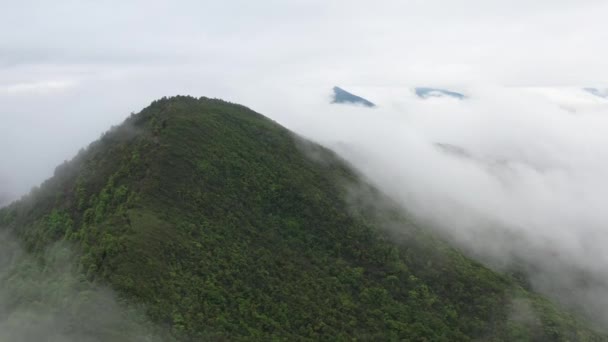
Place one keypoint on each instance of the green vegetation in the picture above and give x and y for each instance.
(42, 298)
(217, 221)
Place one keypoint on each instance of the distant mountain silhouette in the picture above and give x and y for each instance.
(343, 97)
(425, 92)
(597, 92)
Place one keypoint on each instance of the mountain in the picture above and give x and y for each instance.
(222, 225)
(343, 97)
(453, 150)
(597, 92)
(425, 93)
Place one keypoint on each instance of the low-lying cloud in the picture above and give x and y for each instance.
(97, 62)
(509, 175)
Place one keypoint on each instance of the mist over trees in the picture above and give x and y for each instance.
(45, 297)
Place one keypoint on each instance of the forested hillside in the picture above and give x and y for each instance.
(221, 224)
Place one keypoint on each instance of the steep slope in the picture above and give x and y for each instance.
(225, 225)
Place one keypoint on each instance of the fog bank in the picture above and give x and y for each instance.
(515, 176)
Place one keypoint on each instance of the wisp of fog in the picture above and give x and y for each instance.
(45, 298)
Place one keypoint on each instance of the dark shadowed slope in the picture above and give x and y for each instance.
(341, 96)
(216, 219)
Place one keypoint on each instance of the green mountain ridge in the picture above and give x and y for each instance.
(224, 225)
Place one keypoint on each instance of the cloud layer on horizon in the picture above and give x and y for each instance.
(70, 69)
(521, 185)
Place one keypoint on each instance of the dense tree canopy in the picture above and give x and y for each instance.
(223, 224)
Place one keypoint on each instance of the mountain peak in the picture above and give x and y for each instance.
(426, 92)
(597, 92)
(344, 97)
(217, 221)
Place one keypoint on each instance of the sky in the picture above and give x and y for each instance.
(70, 69)
(535, 143)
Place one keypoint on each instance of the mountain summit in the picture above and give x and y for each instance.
(603, 93)
(343, 97)
(425, 93)
(223, 225)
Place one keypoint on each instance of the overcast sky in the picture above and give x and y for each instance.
(70, 69)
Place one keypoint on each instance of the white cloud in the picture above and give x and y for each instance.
(530, 186)
(42, 87)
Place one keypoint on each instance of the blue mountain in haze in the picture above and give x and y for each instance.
(341, 96)
(597, 92)
(425, 93)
